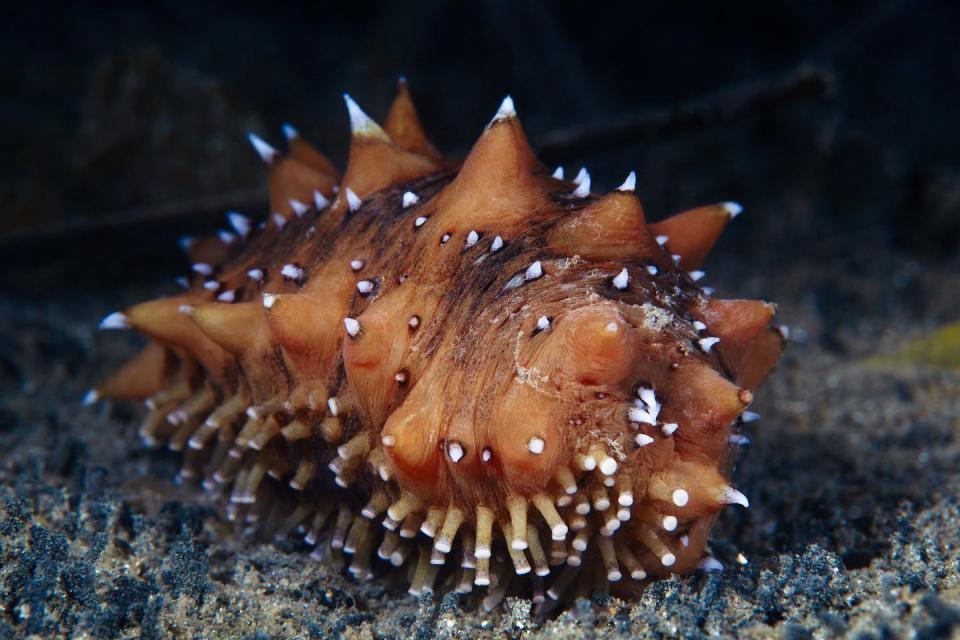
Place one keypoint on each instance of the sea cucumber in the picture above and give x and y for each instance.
(479, 371)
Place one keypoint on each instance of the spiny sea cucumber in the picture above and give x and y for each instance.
(481, 372)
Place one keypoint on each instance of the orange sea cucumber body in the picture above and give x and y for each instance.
(481, 371)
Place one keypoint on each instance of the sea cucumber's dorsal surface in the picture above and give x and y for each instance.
(483, 372)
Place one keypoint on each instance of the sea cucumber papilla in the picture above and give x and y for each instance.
(479, 372)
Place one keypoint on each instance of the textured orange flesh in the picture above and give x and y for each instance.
(475, 368)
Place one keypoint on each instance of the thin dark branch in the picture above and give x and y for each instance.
(730, 104)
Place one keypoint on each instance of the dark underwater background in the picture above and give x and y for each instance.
(835, 124)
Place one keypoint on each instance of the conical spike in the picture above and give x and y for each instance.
(583, 184)
(729, 495)
(375, 160)
(164, 321)
(142, 376)
(506, 111)
(241, 223)
(714, 400)
(235, 327)
(308, 327)
(115, 320)
(630, 184)
(497, 184)
(612, 228)
(362, 125)
(692, 234)
(264, 149)
(736, 323)
(404, 127)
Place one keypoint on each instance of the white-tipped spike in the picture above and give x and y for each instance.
(652, 270)
(183, 281)
(669, 428)
(202, 268)
(268, 300)
(505, 111)
(707, 343)
(360, 123)
(583, 184)
(352, 325)
(472, 238)
(496, 245)
(557, 173)
(266, 152)
(227, 296)
(699, 326)
(290, 132)
(255, 274)
(292, 271)
(680, 497)
(648, 396)
(226, 237)
(239, 222)
(90, 397)
(643, 439)
(708, 291)
(670, 523)
(733, 208)
(186, 242)
(668, 559)
(543, 323)
(419, 222)
(298, 207)
(749, 416)
(534, 271)
(353, 200)
(662, 240)
(455, 451)
(320, 201)
(697, 275)
(187, 310)
(279, 220)
(116, 320)
(621, 280)
(536, 445)
(333, 407)
(410, 199)
(630, 184)
(211, 285)
(676, 257)
(732, 496)
(642, 415)
(739, 440)
(710, 564)
(364, 287)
